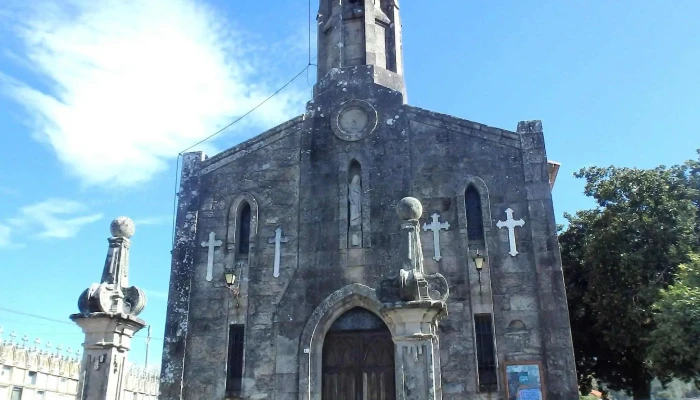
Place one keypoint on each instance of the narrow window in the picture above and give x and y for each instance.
(32, 378)
(6, 374)
(244, 229)
(16, 394)
(234, 374)
(475, 225)
(485, 353)
(389, 36)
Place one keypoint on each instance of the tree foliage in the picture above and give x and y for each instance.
(618, 257)
(675, 342)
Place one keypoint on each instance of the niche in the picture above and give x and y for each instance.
(354, 209)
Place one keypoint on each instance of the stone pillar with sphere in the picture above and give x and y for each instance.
(415, 302)
(109, 319)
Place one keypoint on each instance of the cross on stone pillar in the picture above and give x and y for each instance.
(25, 339)
(436, 226)
(278, 240)
(13, 335)
(37, 342)
(510, 224)
(212, 244)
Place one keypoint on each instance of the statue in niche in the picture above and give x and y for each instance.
(355, 201)
(355, 211)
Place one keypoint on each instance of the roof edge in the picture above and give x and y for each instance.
(259, 139)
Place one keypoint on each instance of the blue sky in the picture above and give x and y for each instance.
(96, 102)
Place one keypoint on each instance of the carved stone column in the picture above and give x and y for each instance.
(415, 302)
(417, 349)
(108, 318)
(107, 343)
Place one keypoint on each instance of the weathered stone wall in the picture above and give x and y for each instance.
(297, 176)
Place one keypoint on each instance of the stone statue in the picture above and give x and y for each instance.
(355, 200)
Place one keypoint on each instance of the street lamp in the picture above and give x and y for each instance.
(478, 261)
(479, 264)
(230, 279)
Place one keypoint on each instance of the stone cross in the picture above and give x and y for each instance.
(278, 240)
(510, 224)
(436, 226)
(212, 244)
(13, 335)
(25, 339)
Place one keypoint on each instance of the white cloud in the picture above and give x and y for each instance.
(5, 232)
(131, 83)
(153, 221)
(54, 218)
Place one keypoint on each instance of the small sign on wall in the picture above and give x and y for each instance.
(524, 380)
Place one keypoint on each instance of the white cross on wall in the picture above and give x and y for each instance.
(212, 244)
(278, 240)
(436, 226)
(510, 223)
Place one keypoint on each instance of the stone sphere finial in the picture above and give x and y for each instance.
(122, 227)
(409, 208)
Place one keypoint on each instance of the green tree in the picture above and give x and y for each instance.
(617, 258)
(674, 350)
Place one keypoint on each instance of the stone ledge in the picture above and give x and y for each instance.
(462, 123)
(264, 139)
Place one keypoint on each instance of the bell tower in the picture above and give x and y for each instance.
(358, 33)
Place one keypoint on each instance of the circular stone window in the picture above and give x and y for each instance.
(354, 120)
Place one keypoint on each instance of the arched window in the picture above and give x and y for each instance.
(475, 225)
(244, 229)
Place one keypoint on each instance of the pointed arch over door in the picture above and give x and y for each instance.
(319, 326)
(358, 358)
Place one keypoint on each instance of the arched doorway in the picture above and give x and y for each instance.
(358, 358)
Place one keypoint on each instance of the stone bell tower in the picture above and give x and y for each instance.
(361, 33)
(108, 318)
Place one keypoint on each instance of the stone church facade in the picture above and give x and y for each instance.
(335, 295)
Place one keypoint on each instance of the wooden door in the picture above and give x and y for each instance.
(358, 366)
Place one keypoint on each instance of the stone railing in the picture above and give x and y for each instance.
(34, 371)
(58, 370)
(35, 358)
(142, 381)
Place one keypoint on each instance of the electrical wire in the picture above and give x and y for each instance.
(35, 316)
(249, 112)
(180, 154)
(177, 176)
